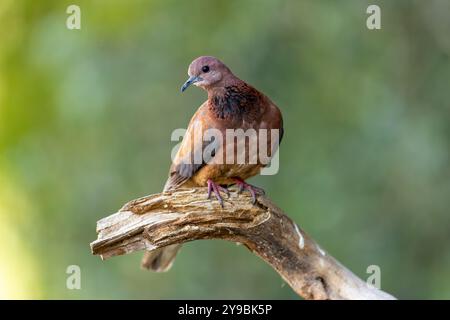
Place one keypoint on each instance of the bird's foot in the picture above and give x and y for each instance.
(242, 185)
(216, 188)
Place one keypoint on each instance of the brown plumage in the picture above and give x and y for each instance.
(231, 104)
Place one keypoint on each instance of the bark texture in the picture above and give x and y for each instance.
(185, 215)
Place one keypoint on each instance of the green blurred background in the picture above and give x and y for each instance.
(86, 117)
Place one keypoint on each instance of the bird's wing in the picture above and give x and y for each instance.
(189, 157)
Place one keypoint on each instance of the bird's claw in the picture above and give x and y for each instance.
(251, 188)
(217, 189)
(214, 187)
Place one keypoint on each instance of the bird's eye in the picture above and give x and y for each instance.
(205, 69)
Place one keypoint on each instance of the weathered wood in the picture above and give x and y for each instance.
(185, 215)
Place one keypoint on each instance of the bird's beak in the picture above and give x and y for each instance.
(191, 80)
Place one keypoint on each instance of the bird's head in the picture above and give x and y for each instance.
(206, 72)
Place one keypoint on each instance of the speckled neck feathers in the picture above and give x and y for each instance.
(235, 101)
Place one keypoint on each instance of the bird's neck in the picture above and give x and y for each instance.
(234, 100)
(220, 89)
(216, 92)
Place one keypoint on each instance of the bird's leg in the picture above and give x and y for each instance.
(224, 189)
(216, 188)
(246, 186)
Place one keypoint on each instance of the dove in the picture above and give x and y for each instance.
(232, 105)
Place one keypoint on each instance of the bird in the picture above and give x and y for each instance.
(231, 104)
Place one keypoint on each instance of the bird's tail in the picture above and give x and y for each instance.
(161, 259)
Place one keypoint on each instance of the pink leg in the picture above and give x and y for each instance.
(245, 186)
(214, 187)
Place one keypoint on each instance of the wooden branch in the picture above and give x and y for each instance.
(185, 215)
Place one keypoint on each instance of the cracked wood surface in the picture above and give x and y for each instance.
(185, 215)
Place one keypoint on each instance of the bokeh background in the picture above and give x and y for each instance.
(86, 117)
